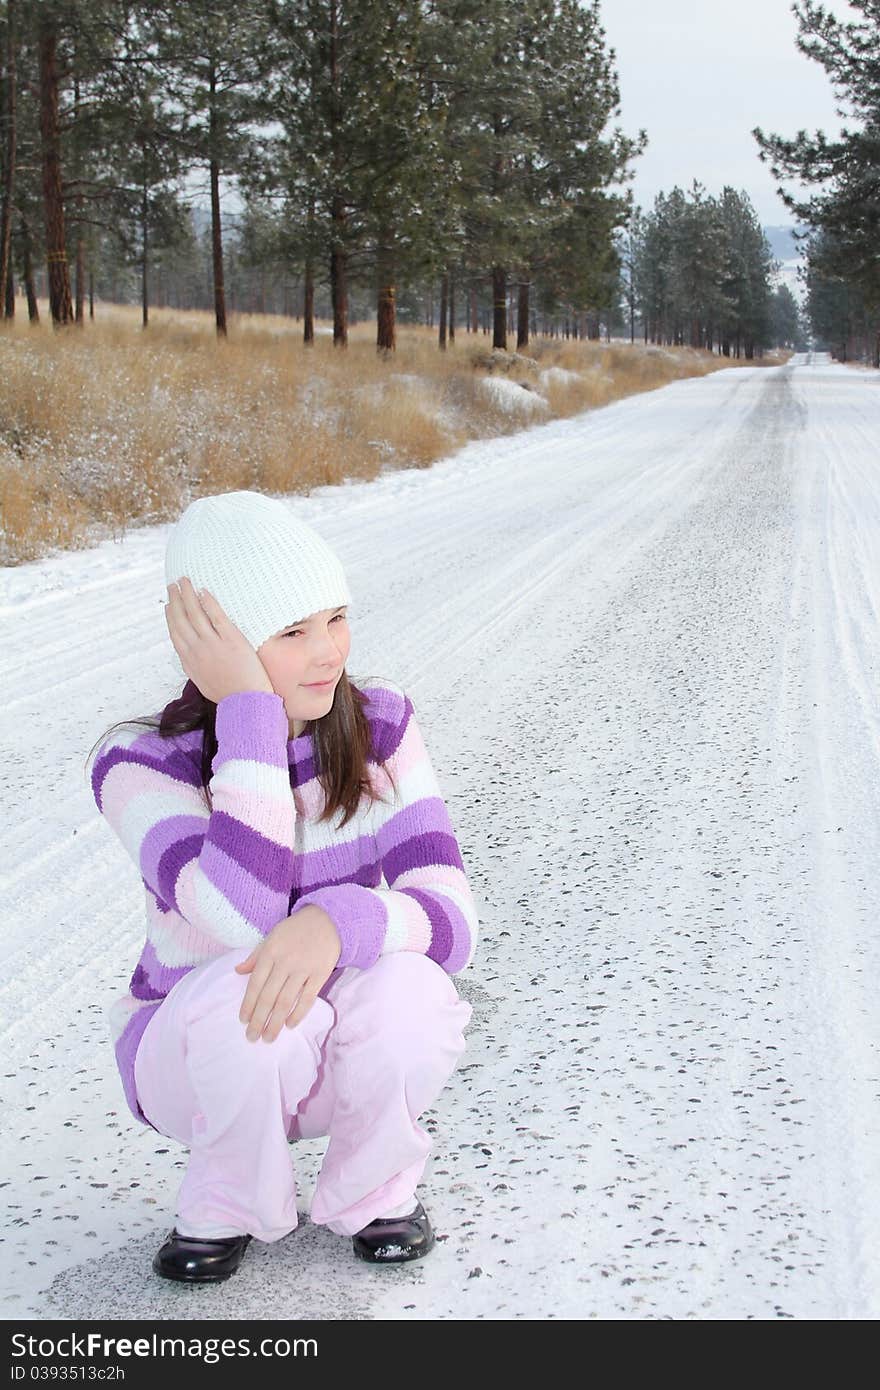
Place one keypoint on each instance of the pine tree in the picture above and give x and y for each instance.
(357, 167)
(134, 136)
(702, 272)
(846, 170)
(212, 56)
(27, 209)
(745, 286)
(72, 58)
(578, 160)
(532, 89)
(630, 244)
(842, 319)
(48, 23)
(786, 328)
(9, 39)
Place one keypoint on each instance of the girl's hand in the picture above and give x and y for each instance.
(287, 969)
(212, 651)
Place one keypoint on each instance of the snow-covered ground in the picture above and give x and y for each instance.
(643, 645)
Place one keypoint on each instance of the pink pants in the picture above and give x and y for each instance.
(360, 1067)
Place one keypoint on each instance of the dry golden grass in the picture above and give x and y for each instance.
(107, 426)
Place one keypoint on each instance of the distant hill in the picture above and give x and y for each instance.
(782, 242)
(787, 252)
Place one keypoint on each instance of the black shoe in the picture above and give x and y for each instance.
(198, 1260)
(392, 1239)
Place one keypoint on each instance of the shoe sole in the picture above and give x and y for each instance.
(194, 1278)
(374, 1258)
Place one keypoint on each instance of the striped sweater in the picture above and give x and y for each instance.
(223, 878)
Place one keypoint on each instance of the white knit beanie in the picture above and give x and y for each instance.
(265, 567)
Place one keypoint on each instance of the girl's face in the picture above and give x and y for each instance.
(304, 663)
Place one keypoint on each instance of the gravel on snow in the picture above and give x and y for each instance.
(643, 646)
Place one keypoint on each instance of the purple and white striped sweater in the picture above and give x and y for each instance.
(223, 878)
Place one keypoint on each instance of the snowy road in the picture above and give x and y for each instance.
(643, 645)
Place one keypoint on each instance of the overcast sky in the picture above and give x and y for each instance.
(699, 75)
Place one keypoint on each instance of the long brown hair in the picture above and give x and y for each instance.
(341, 743)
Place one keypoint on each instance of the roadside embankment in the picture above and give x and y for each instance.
(107, 426)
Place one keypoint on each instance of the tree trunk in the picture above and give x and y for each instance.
(79, 257)
(452, 306)
(339, 281)
(9, 295)
(80, 277)
(145, 233)
(522, 315)
(216, 231)
(386, 316)
(9, 168)
(444, 302)
(28, 272)
(217, 252)
(474, 323)
(91, 293)
(499, 307)
(338, 259)
(58, 273)
(309, 303)
(309, 278)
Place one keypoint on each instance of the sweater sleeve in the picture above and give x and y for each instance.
(227, 871)
(428, 905)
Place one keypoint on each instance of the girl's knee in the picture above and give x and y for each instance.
(413, 978)
(404, 1004)
(215, 1014)
(429, 993)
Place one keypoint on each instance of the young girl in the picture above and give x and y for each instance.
(282, 992)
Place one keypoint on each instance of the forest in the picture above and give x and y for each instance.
(443, 162)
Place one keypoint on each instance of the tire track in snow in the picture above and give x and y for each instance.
(829, 722)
